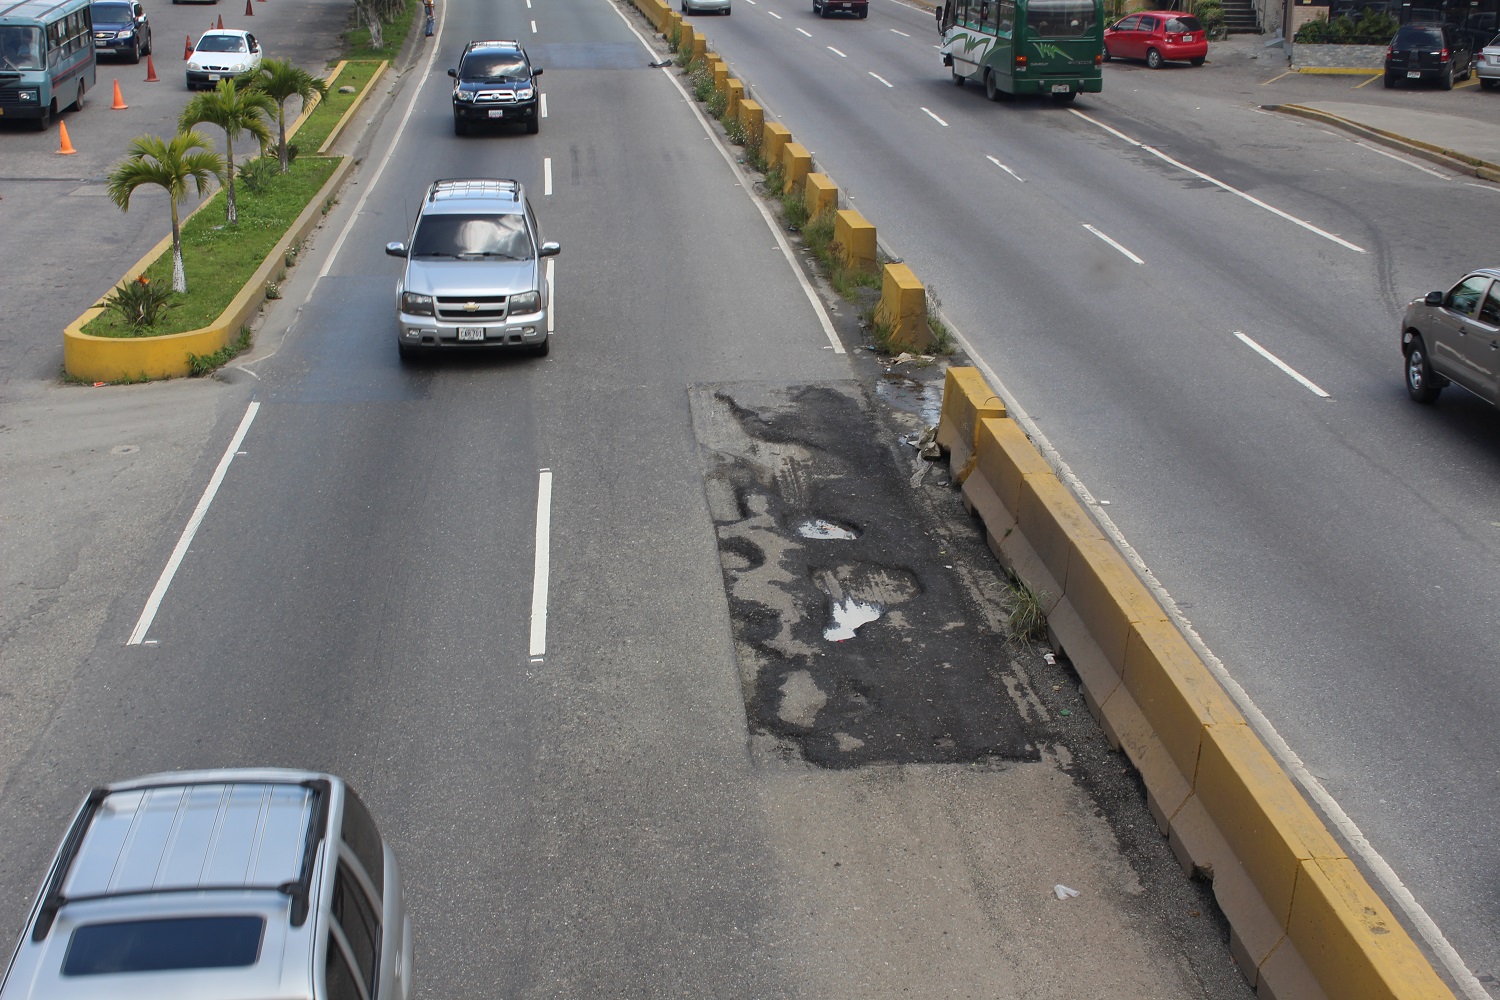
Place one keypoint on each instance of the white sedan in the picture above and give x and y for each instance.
(222, 54)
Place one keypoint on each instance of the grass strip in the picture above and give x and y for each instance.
(220, 259)
(394, 32)
(312, 133)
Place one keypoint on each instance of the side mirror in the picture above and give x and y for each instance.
(395, 249)
(1434, 298)
(453, 73)
(549, 249)
(536, 71)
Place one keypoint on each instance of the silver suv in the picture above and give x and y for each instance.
(474, 276)
(218, 885)
(1454, 336)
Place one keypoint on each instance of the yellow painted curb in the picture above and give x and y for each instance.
(1338, 71)
(359, 99)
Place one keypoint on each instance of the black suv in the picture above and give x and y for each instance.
(1429, 52)
(495, 84)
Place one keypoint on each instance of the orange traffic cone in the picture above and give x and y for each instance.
(119, 104)
(151, 71)
(249, 10)
(220, 25)
(187, 52)
(66, 149)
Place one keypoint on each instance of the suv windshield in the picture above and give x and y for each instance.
(494, 67)
(468, 236)
(112, 13)
(1060, 18)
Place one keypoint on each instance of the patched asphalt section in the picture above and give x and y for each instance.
(857, 642)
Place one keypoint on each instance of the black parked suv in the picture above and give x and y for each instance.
(1431, 52)
(495, 84)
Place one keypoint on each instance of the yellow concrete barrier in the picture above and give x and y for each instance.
(903, 308)
(686, 35)
(752, 121)
(820, 195)
(109, 359)
(796, 164)
(734, 92)
(774, 139)
(855, 235)
(967, 399)
(721, 74)
(699, 49)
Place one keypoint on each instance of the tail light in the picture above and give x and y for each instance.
(1098, 58)
(1443, 56)
(1020, 62)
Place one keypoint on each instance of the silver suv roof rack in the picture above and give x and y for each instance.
(487, 186)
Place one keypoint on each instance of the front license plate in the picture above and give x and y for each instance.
(1414, 74)
(213, 77)
(1061, 88)
(471, 333)
(497, 113)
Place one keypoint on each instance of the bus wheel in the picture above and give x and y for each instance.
(1064, 98)
(958, 80)
(77, 104)
(990, 89)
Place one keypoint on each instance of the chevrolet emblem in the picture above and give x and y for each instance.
(471, 307)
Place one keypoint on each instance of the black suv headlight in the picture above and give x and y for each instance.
(459, 94)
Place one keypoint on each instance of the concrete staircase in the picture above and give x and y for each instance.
(1240, 17)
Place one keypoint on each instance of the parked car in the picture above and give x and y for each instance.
(1487, 66)
(1454, 336)
(1428, 53)
(234, 885)
(223, 54)
(495, 84)
(698, 6)
(474, 276)
(121, 28)
(1157, 36)
(826, 8)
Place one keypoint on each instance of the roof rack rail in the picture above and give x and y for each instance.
(498, 185)
(52, 897)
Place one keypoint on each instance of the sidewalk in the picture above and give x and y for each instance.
(1461, 143)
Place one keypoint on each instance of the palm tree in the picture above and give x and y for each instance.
(280, 79)
(170, 164)
(234, 109)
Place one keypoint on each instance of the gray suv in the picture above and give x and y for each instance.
(474, 274)
(218, 885)
(1454, 336)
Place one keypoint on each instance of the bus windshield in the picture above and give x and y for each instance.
(20, 47)
(1060, 18)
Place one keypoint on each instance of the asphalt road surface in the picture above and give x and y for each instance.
(620, 783)
(1130, 267)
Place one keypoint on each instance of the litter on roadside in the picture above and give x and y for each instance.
(1063, 892)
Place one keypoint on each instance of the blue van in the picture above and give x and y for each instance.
(46, 58)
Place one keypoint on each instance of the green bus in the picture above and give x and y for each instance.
(1053, 47)
(46, 58)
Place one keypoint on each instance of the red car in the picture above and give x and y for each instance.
(1157, 36)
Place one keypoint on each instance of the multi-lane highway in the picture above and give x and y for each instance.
(1128, 268)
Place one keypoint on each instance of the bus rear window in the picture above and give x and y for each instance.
(160, 945)
(1060, 18)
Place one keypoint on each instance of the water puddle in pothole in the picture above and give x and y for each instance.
(825, 530)
(849, 615)
(925, 399)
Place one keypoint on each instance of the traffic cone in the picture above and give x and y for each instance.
(119, 104)
(187, 52)
(220, 25)
(151, 71)
(249, 10)
(67, 144)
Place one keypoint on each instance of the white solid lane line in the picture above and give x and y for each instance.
(533, 27)
(1006, 169)
(881, 79)
(546, 175)
(543, 563)
(551, 295)
(1220, 184)
(936, 118)
(148, 614)
(544, 105)
(837, 52)
(1306, 384)
(1112, 243)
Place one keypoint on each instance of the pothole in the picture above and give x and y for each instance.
(910, 395)
(849, 615)
(825, 530)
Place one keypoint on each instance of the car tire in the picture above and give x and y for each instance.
(1390, 81)
(1107, 56)
(1064, 98)
(460, 127)
(1447, 79)
(1197, 60)
(543, 349)
(406, 354)
(135, 52)
(864, 13)
(150, 44)
(1487, 84)
(726, 11)
(1154, 59)
(1421, 381)
(534, 126)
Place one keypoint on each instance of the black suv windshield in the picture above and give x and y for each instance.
(493, 67)
(472, 236)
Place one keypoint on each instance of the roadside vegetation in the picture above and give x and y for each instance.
(1370, 27)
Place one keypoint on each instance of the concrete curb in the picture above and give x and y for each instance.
(1304, 923)
(1450, 158)
(109, 359)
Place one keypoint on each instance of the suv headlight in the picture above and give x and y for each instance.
(525, 302)
(126, 33)
(525, 93)
(416, 305)
(459, 94)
